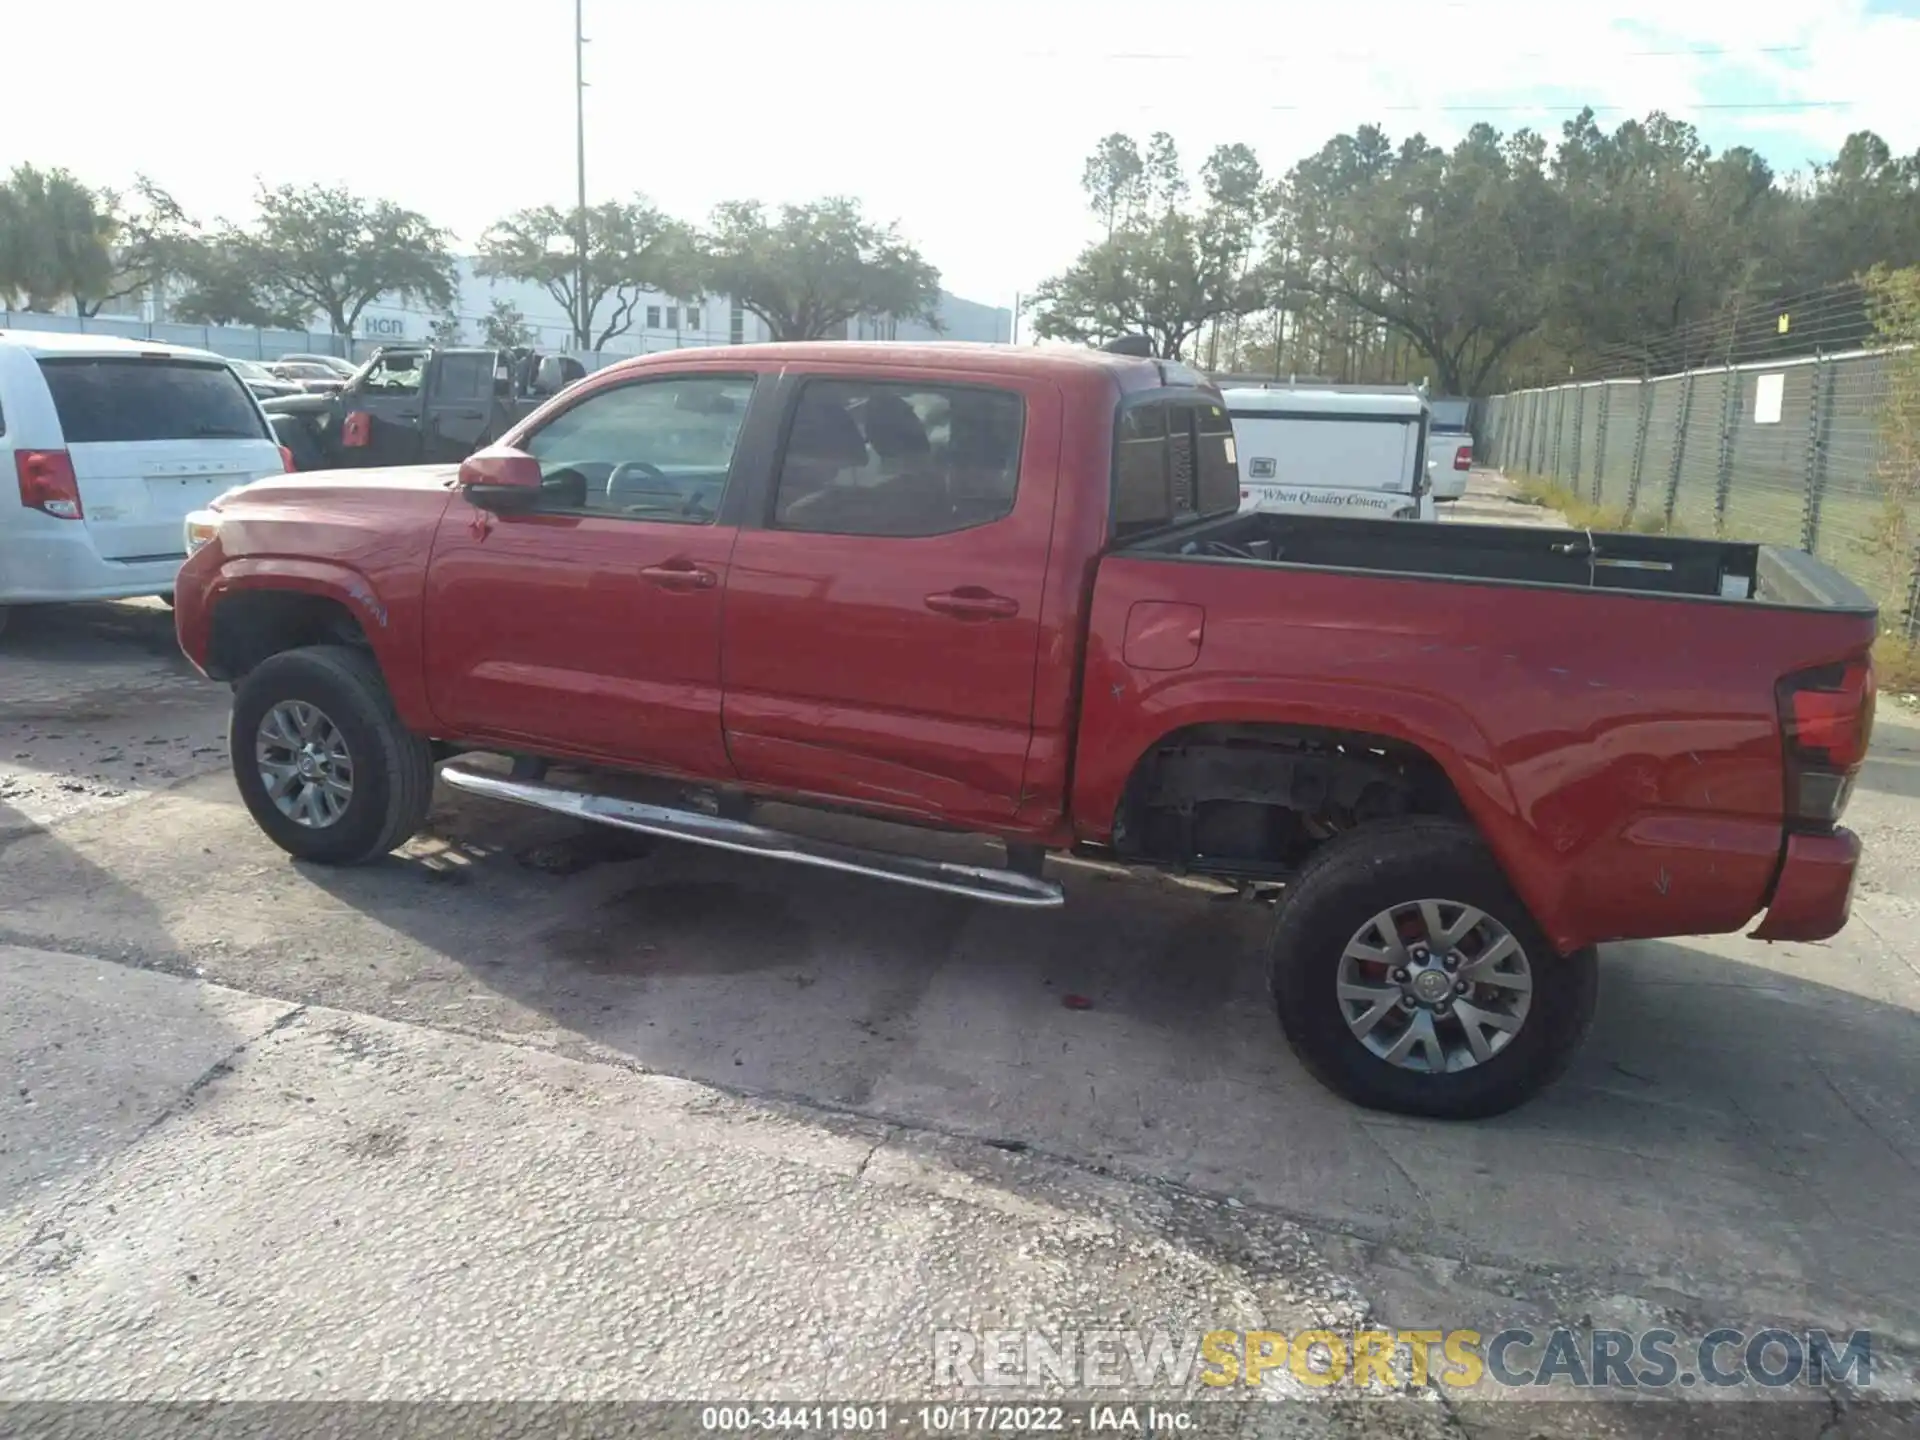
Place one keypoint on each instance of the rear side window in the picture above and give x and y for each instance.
(114, 401)
(465, 376)
(1174, 461)
(897, 459)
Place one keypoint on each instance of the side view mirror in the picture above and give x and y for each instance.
(501, 479)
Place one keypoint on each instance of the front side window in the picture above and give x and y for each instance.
(108, 401)
(867, 458)
(395, 372)
(656, 450)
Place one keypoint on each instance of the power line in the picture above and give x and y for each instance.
(1776, 106)
(1372, 58)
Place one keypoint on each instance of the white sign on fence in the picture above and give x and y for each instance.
(1769, 391)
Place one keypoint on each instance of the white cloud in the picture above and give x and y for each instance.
(966, 119)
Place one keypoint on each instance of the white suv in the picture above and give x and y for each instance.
(110, 443)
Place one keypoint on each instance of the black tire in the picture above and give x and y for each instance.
(1364, 872)
(392, 767)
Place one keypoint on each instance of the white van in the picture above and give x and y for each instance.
(1332, 450)
(105, 445)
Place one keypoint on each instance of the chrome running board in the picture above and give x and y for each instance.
(977, 882)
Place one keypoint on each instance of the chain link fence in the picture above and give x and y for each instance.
(1791, 452)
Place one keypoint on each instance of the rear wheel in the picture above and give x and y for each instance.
(321, 759)
(1410, 978)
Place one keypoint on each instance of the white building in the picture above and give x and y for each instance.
(655, 321)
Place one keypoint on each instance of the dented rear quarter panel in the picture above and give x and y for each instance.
(363, 538)
(1620, 753)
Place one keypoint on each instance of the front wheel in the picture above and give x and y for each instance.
(1410, 978)
(323, 762)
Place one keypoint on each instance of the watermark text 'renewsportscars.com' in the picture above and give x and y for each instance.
(1222, 1360)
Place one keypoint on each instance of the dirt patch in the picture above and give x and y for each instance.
(685, 927)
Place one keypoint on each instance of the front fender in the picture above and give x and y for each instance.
(389, 624)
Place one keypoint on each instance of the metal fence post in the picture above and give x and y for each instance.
(1640, 445)
(1559, 431)
(1600, 441)
(1579, 426)
(1910, 631)
(1679, 448)
(1723, 477)
(1537, 436)
(1819, 411)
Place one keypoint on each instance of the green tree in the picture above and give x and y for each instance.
(1661, 236)
(632, 247)
(1112, 179)
(447, 329)
(221, 283)
(1165, 279)
(1452, 249)
(504, 327)
(333, 252)
(1163, 271)
(150, 238)
(810, 269)
(1165, 181)
(56, 239)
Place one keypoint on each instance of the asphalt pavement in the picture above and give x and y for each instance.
(511, 1115)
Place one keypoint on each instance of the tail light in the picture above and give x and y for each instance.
(286, 460)
(1463, 458)
(1826, 720)
(47, 482)
(356, 430)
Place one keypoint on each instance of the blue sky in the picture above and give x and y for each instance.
(965, 120)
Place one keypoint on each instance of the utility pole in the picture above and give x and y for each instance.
(584, 325)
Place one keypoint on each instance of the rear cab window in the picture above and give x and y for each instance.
(104, 400)
(1174, 463)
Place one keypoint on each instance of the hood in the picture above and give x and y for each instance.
(320, 486)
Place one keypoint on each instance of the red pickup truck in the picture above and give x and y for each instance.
(1009, 592)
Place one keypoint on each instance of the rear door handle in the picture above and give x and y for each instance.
(680, 575)
(971, 602)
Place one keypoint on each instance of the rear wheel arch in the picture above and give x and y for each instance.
(1332, 779)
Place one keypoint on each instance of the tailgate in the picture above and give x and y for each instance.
(151, 437)
(134, 495)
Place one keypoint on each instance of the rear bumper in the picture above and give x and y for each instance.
(38, 567)
(1814, 894)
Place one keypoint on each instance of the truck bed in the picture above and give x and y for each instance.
(1665, 565)
(1603, 706)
